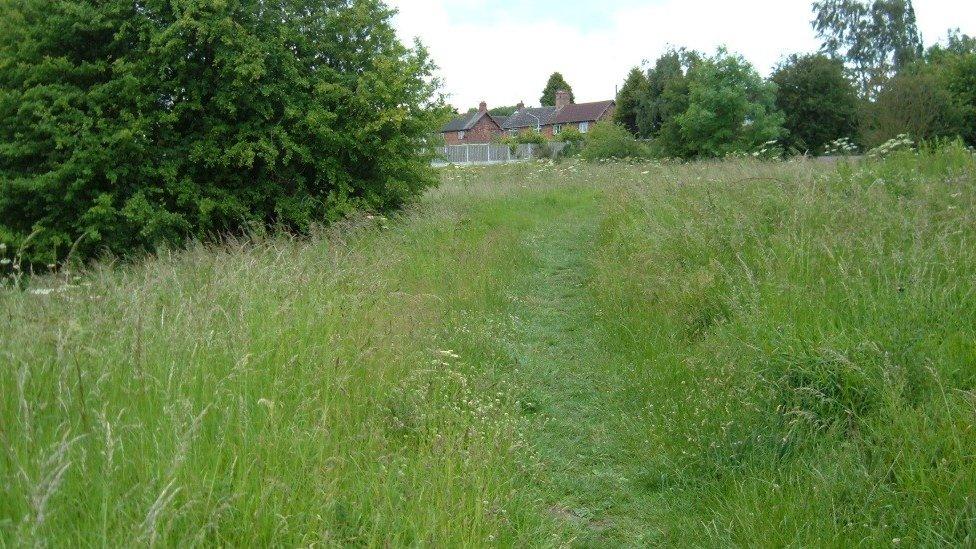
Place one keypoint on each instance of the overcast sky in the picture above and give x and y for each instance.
(503, 51)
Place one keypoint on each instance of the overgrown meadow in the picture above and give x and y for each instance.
(717, 353)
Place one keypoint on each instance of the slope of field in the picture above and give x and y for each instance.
(534, 355)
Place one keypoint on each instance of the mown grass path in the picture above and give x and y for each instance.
(581, 432)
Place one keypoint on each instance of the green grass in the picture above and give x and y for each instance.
(712, 354)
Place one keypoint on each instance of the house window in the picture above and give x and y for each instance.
(556, 129)
(461, 136)
(513, 133)
(584, 127)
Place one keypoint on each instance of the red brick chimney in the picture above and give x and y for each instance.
(483, 107)
(562, 99)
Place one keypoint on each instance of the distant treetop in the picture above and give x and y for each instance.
(556, 83)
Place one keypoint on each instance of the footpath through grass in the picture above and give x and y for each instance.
(715, 354)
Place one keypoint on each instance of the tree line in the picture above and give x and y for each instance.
(871, 82)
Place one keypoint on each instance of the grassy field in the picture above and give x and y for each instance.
(710, 354)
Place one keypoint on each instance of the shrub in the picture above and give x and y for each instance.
(571, 135)
(917, 103)
(573, 140)
(956, 64)
(531, 137)
(125, 125)
(730, 108)
(611, 140)
(818, 101)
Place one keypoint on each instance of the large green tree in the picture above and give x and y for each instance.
(556, 83)
(126, 124)
(629, 98)
(730, 108)
(819, 102)
(876, 38)
(667, 98)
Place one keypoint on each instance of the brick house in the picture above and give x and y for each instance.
(475, 128)
(550, 121)
(481, 127)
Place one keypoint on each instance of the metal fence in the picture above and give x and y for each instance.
(495, 154)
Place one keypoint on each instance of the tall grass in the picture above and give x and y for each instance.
(276, 392)
(766, 353)
(805, 347)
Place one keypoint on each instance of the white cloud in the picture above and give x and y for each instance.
(505, 59)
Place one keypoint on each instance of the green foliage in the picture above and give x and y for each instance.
(556, 83)
(503, 111)
(571, 135)
(667, 98)
(634, 90)
(955, 63)
(667, 94)
(876, 38)
(918, 103)
(125, 126)
(574, 140)
(532, 137)
(525, 137)
(497, 111)
(730, 109)
(819, 103)
(956, 43)
(609, 140)
(693, 106)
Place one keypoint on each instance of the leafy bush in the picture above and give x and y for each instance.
(730, 108)
(573, 139)
(531, 137)
(125, 125)
(918, 103)
(611, 140)
(818, 101)
(571, 135)
(956, 64)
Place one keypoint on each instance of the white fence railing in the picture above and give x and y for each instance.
(492, 153)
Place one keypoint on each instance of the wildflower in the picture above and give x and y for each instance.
(4, 262)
